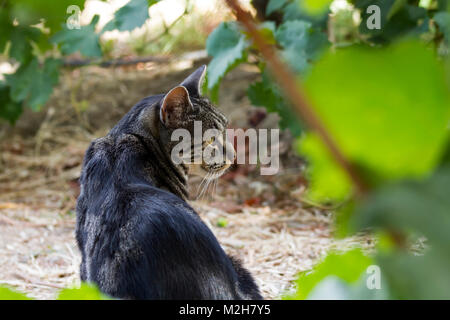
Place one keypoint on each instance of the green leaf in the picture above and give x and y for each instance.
(130, 16)
(416, 277)
(384, 111)
(8, 294)
(334, 288)
(301, 43)
(445, 161)
(267, 29)
(54, 13)
(443, 21)
(34, 83)
(9, 110)
(228, 47)
(348, 267)
(266, 94)
(85, 292)
(420, 206)
(274, 5)
(397, 19)
(316, 6)
(21, 38)
(6, 28)
(296, 10)
(85, 40)
(396, 6)
(327, 179)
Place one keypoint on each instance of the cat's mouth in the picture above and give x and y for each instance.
(217, 169)
(210, 171)
(213, 169)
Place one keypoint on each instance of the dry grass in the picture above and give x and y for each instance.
(38, 253)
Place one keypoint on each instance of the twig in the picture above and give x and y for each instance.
(73, 63)
(294, 91)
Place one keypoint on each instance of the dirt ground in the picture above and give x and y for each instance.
(263, 220)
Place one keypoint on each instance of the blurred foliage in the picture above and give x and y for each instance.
(84, 40)
(8, 294)
(36, 36)
(131, 16)
(394, 123)
(383, 95)
(266, 93)
(308, 28)
(84, 292)
(347, 266)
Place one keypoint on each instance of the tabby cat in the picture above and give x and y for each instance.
(138, 237)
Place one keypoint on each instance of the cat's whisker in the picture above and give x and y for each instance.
(213, 180)
(199, 188)
(205, 195)
(204, 185)
(215, 186)
(202, 188)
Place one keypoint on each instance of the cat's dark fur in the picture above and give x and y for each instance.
(138, 237)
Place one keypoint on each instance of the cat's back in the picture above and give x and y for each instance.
(151, 233)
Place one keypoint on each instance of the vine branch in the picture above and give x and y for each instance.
(293, 89)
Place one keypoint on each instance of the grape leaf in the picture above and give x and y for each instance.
(443, 21)
(274, 5)
(301, 43)
(130, 16)
(402, 113)
(85, 40)
(228, 47)
(296, 11)
(6, 28)
(266, 94)
(54, 13)
(21, 38)
(34, 83)
(9, 109)
(397, 19)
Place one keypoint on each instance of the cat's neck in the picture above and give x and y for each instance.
(165, 173)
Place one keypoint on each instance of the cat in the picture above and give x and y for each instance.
(138, 237)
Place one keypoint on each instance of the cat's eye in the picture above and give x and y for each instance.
(211, 140)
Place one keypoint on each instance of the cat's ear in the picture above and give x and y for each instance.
(194, 82)
(175, 106)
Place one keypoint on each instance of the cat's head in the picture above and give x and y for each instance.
(183, 107)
